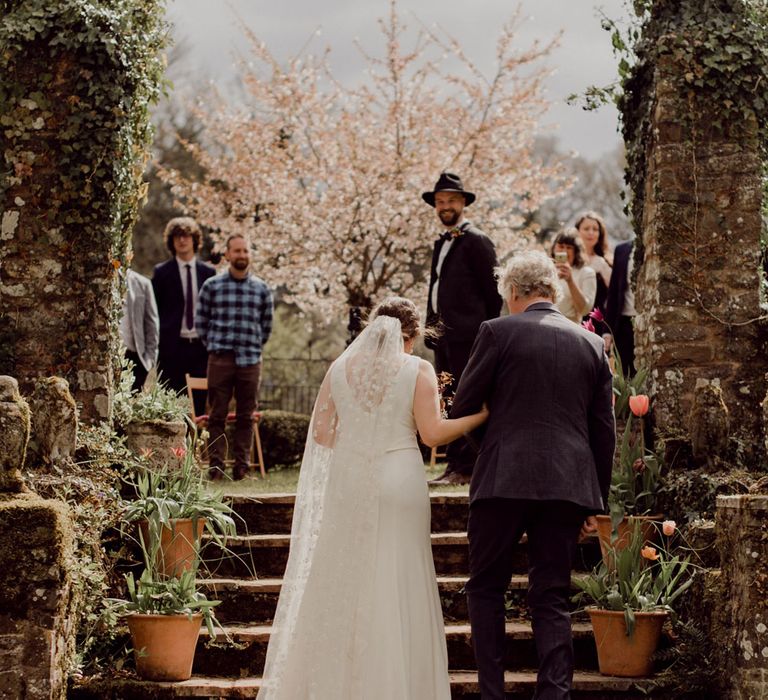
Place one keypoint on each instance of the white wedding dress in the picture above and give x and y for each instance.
(359, 613)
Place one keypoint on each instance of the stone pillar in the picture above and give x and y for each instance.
(36, 542)
(75, 135)
(742, 637)
(698, 287)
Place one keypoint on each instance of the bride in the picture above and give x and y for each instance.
(359, 614)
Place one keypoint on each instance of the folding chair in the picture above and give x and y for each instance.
(435, 454)
(201, 384)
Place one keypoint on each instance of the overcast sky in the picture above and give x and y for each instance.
(215, 41)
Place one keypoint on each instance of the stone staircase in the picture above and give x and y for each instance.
(222, 670)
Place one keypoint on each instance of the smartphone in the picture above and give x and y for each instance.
(561, 256)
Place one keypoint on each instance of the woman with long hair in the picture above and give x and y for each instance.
(359, 613)
(597, 254)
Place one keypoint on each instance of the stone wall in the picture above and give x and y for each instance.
(698, 287)
(77, 80)
(36, 558)
(742, 632)
(36, 638)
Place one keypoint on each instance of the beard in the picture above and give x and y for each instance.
(449, 217)
(241, 264)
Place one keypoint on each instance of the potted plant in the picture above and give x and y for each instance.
(173, 505)
(634, 484)
(631, 600)
(153, 420)
(164, 614)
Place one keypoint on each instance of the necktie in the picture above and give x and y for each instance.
(188, 310)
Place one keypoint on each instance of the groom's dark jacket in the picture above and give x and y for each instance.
(551, 432)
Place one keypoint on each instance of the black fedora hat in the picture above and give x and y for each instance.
(448, 182)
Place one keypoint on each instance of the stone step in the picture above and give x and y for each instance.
(518, 685)
(265, 556)
(246, 656)
(272, 513)
(254, 600)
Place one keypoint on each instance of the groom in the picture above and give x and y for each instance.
(544, 467)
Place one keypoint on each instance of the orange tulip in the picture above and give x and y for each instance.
(179, 452)
(639, 404)
(668, 527)
(649, 553)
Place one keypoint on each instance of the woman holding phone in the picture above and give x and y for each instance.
(578, 281)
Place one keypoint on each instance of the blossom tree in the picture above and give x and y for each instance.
(326, 179)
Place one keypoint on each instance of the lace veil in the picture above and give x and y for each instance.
(327, 586)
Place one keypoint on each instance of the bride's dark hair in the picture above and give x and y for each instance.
(404, 310)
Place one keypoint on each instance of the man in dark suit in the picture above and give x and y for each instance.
(544, 467)
(620, 308)
(177, 283)
(462, 294)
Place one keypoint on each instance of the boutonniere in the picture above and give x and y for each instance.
(452, 233)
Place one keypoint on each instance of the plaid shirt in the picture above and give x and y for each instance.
(235, 315)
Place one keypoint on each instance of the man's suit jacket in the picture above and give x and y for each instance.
(141, 314)
(551, 433)
(169, 294)
(614, 301)
(467, 294)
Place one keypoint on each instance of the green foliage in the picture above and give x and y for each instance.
(624, 387)
(284, 434)
(177, 491)
(632, 584)
(155, 403)
(154, 594)
(77, 79)
(635, 478)
(690, 666)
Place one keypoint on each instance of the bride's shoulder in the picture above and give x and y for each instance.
(425, 370)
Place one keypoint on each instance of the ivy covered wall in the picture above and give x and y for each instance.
(77, 78)
(695, 122)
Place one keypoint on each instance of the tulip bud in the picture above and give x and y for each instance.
(639, 404)
(668, 527)
(649, 553)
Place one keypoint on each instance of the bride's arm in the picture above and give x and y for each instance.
(432, 427)
(324, 418)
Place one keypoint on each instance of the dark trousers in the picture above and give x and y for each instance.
(624, 337)
(225, 378)
(494, 531)
(188, 357)
(453, 357)
(139, 373)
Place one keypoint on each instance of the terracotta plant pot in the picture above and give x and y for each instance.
(156, 439)
(164, 645)
(626, 527)
(618, 654)
(179, 545)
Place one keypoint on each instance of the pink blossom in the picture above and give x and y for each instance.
(179, 452)
(597, 315)
(146, 452)
(304, 147)
(588, 325)
(668, 527)
(639, 465)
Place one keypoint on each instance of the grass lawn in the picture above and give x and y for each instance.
(285, 480)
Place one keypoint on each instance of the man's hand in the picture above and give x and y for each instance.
(588, 528)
